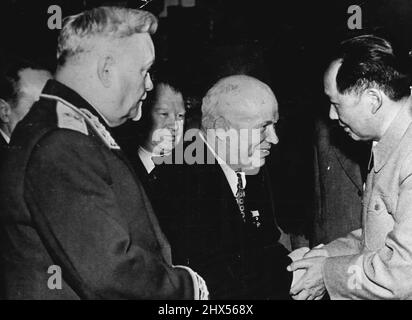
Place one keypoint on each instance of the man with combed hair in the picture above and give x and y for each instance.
(370, 97)
(222, 220)
(76, 221)
(163, 122)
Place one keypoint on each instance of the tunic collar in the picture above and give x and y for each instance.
(392, 137)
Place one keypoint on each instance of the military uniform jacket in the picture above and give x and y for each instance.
(72, 205)
(375, 262)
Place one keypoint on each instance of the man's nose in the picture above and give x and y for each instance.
(271, 136)
(171, 122)
(333, 115)
(148, 82)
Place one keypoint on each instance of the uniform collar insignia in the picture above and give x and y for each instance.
(91, 119)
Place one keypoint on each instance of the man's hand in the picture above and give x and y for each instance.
(298, 253)
(295, 256)
(317, 252)
(164, 140)
(311, 285)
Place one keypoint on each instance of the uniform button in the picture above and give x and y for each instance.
(377, 207)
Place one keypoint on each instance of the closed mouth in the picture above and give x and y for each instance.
(265, 152)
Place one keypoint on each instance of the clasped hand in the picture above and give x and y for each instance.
(307, 268)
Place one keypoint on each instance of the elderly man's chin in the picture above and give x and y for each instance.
(354, 136)
(254, 165)
(136, 112)
(164, 148)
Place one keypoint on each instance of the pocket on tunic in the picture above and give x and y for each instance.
(377, 205)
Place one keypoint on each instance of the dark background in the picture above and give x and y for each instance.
(284, 43)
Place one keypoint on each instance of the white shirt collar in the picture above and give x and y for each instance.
(230, 174)
(146, 158)
(5, 136)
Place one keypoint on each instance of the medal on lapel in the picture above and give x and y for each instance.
(255, 218)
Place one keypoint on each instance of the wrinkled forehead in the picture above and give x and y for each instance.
(247, 99)
(138, 47)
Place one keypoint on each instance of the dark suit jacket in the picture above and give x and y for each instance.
(152, 182)
(203, 224)
(338, 182)
(3, 147)
(71, 201)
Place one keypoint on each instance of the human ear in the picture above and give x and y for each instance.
(105, 70)
(376, 99)
(4, 111)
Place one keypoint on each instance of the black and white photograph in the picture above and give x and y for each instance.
(227, 151)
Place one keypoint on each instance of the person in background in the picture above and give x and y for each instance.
(162, 124)
(20, 87)
(340, 168)
(159, 131)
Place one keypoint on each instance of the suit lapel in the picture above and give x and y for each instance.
(55, 88)
(3, 143)
(269, 190)
(350, 168)
(227, 197)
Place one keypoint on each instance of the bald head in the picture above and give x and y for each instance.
(238, 99)
(247, 109)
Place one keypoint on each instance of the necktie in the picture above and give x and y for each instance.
(240, 196)
(247, 216)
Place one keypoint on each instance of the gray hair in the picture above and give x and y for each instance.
(229, 92)
(108, 22)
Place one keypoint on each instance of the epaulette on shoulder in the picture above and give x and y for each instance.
(67, 118)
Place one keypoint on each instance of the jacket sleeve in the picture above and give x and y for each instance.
(350, 244)
(385, 273)
(68, 188)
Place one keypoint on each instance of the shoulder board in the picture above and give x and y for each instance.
(71, 117)
(68, 118)
(100, 129)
